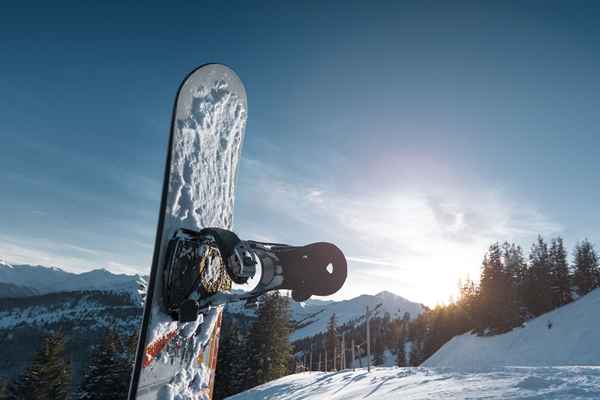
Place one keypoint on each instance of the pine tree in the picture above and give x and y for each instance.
(107, 376)
(559, 279)
(331, 341)
(49, 376)
(516, 273)
(468, 303)
(231, 363)
(415, 357)
(499, 310)
(3, 389)
(586, 274)
(539, 290)
(416, 334)
(378, 351)
(268, 341)
(400, 350)
(131, 346)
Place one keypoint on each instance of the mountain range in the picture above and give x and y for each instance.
(36, 300)
(26, 280)
(20, 281)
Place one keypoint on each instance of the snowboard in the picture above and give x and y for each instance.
(178, 359)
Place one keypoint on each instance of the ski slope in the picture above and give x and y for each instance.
(572, 339)
(547, 383)
(555, 356)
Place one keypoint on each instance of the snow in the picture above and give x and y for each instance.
(206, 145)
(194, 377)
(207, 137)
(84, 308)
(532, 362)
(349, 310)
(548, 383)
(572, 340)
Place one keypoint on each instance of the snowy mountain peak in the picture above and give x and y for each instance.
(41, 280)
(4, 264)
(99, 272)
(389, 295)
(315, 315)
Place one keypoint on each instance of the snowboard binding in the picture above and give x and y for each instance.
(203, 264)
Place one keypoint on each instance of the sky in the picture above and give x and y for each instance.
(411, 134)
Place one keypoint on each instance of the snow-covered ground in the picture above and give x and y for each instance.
(555, 356)
(85, 309)
(543, 383)
(569, 335)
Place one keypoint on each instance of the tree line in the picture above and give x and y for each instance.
(50, 375)
(344, 346)
(249, 355)
(512, 289)
(253, 354)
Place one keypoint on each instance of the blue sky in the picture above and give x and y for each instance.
(411, 133)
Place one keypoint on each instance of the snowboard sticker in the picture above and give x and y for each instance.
(178, 359)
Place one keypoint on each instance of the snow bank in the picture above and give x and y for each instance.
(424, 383)
(566, 336)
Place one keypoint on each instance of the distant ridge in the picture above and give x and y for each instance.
(315, 313)
(9, 290)
(27, 280)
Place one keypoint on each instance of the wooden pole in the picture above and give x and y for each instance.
(368, 343)
(352, 362)
(359, 356)
(334, 355)
(343, 350)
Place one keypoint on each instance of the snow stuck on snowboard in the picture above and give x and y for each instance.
(178, 359)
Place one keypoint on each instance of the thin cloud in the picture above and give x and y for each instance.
(118, 267)
(68, 256)
(412, 234)
(39, 213)
(32, 253)
(373, 261)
